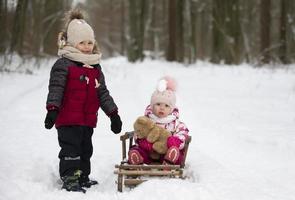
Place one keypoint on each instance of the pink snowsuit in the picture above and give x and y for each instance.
(171, 123)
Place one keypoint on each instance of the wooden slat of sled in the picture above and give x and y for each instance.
(166, 167)
(148, 172)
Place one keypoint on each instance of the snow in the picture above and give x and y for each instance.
(241, 118)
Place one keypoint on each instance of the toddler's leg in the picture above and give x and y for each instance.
(85, 165)
(137, 156)
(69, 138)
(172, 155)
(87, 150)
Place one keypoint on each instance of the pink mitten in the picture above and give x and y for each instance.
(173, 141)
(145, 145)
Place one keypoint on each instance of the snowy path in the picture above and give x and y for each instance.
(242, 123)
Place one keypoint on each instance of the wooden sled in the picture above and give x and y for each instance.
(132, 175)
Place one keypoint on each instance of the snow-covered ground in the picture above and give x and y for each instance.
(242, 120)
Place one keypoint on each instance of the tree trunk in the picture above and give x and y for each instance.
(37, 45)
(141, 37)
(265, 31)
(136, 29)
(290, 31)
(150, 26)
(203, 28)
(132, 41)
(19, 27)
(171, 51)
(193, 42)
(179, 31)
(154, 32)
(122, 28)
(3, 30)
(226, 31)
(283, 39)
(110, 36)
(53, 13)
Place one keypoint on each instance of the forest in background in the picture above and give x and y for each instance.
(219, 31)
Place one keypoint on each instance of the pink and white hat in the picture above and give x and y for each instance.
(165, 92)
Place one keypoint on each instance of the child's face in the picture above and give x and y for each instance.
(85, 46)
(161, 110)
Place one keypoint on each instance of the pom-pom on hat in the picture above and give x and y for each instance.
(78, 29)
(165, 92)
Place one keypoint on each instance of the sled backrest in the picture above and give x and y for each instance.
(124, 138)
(185, 149)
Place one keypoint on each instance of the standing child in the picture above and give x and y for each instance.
(77, 89)
(163, 111)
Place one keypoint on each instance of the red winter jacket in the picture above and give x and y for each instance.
(72, 91)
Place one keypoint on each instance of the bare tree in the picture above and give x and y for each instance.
(283, 31)
(136, 29)
(290, 31)
(265, 22)
(180, 30)
(171, 51)
(175, 49)
(226, 31)
(123, 28)
(203, 33)
(18, 32)
(193, 30)
(52, 22)
(3, 22)
(37, 32)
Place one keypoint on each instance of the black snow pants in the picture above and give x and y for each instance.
(76, 149)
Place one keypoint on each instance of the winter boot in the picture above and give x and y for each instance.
(71, 183)
(172, 155)
(134, 157)
(86, 182)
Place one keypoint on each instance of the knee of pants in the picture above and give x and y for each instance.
(143, 153)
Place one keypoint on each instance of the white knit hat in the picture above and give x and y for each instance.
(79, 30)
(165, 92)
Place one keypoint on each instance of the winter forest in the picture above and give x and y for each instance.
(218, 31)
(234, 63)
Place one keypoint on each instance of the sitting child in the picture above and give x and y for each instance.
(164, 113)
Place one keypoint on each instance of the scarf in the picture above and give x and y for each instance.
(164, 120)
(74, 54)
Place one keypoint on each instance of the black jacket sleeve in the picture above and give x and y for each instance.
(57, 82)
(106, 100)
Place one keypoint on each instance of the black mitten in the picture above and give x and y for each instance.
(50, 118)
(116, 123)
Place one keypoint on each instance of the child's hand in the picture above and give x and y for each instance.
(116, 123)
(50, 118)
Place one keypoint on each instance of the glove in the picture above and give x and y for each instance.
(116, 124)
(50, 118)
(173, 141)
(145, 145)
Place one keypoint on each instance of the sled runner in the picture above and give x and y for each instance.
(132, 175)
